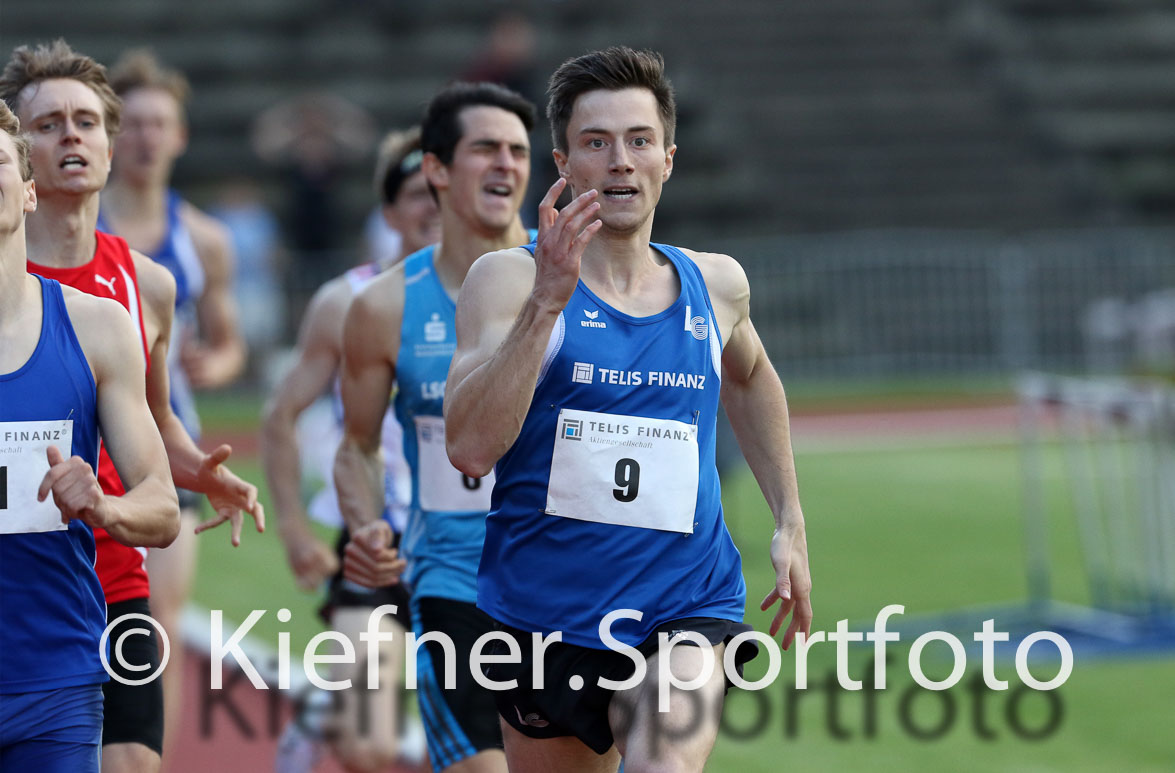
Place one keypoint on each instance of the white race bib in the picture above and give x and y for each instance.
(443, 487)
(23, 464)
(624, 470)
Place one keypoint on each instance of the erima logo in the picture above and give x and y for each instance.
(434, 329)
(591, 320)
(583, 372)
(696, 325)
(107, 283)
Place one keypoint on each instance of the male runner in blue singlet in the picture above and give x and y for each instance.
(401, 329)
(589, 369)
(69, 363)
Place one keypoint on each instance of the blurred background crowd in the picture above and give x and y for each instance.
(915, 186)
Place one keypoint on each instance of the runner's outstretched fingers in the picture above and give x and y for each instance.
(793, 584)
(561, 240)
(228, 495)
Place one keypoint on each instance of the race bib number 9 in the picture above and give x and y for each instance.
(444, 488)
(23, 464)
(624, 470)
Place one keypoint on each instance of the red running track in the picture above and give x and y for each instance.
(235, 731)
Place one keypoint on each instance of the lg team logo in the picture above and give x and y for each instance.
(696, 325)
(572, 429)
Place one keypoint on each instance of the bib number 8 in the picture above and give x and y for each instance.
(628, 478)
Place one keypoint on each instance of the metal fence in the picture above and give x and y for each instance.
(880, 304)
(890, 303)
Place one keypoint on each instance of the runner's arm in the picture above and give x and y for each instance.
(370, 342)
(507, 308)
(218, 356)
(148, 513)
(756, 404)
(318, 360)
(191, 468)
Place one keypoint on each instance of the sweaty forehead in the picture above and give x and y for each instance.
(485, 122)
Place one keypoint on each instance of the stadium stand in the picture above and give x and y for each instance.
(1092, 77)
(845, 114)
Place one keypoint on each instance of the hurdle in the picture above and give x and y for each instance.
(1116, 441)
(1097, 460)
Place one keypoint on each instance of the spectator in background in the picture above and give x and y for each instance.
(508, 58)
(256, 239)
(313, 137)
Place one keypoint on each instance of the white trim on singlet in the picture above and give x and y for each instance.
(132, 296)
(421, 274)
(188, 256)
(554, 344)
(715, 348)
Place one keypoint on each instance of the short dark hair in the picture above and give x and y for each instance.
(58, 60)
(612, 69)
(440, 130)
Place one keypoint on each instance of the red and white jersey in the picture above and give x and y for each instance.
(111, 274)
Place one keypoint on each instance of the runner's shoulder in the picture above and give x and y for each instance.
(725, 279)
(103, 329)
(156, 284)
